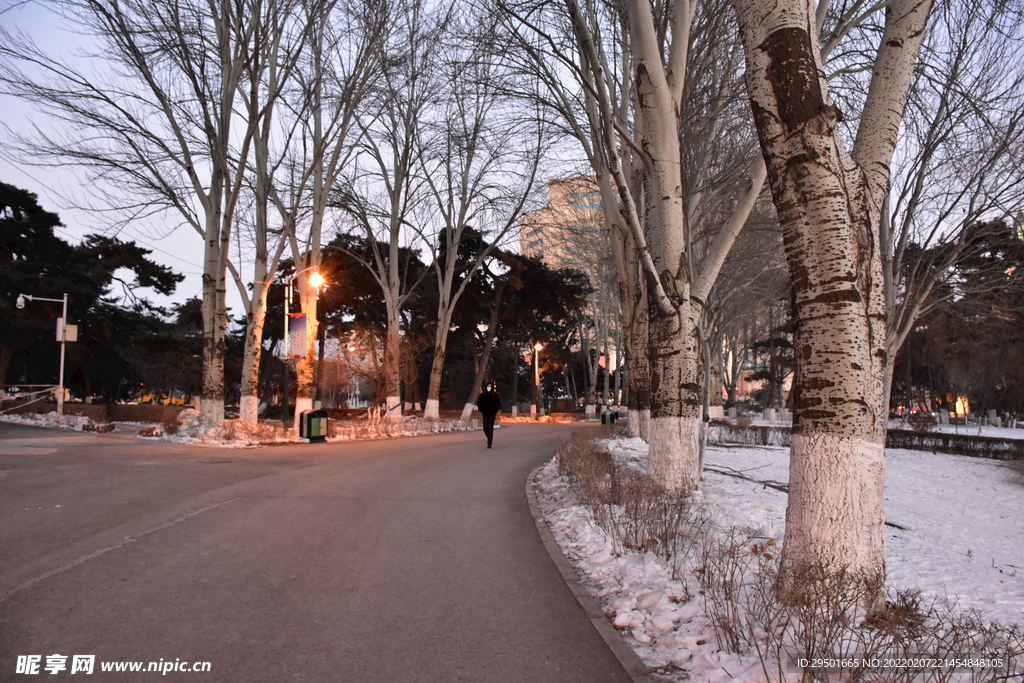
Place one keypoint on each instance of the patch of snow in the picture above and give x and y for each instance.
(962, 538)
(239, 434)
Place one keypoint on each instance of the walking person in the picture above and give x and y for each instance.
(489, 405)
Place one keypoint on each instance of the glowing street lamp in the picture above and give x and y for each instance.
(316, 280)
(536, 378)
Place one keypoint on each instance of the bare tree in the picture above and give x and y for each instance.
(680, 221)
(959, 164)
(277, 47)
(480, 165)
(829, 201)
(383, 194)
(343, 56)
(157, 129)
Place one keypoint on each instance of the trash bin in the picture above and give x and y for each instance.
(313, 425)
(608, 417)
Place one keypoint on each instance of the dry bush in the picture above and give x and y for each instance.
(646, 517)
(921, 421)
(589, 469)
(635, 512)
(785, 625)
(727, 561)
(754, 609)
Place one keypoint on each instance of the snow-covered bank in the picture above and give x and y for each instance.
(961, 538)
(238, 434)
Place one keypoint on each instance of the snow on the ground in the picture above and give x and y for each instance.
(962, 539)
(52, 419)
(238, 434)
(968, 430)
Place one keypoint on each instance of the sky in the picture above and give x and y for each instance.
(58, 190)
(66, 190)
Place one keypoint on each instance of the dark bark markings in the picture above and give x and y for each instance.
(793, 77)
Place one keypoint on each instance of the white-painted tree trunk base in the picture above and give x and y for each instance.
(467, 410)
(645, 424)
(249, 409)
(590, 410)
(394, 408)
(835, 517)
(533, 409)
(675, 452)
(432, 410)
(211, 412)
(638, 423)
(301, 405)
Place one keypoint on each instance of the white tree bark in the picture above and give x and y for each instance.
(675, 405)
(829, 205)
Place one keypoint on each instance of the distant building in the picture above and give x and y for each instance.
(569, 230)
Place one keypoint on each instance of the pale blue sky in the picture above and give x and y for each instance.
(60, 189)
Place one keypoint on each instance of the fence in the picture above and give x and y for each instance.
(936, 442)
(98, 412)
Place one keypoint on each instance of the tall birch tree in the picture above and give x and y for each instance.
(829, 201)
(343, 59)
(678, 274)
(383, 193)
(959, 165)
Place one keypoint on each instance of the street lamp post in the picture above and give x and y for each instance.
(317, 281)
(534, 407)
(62, 334)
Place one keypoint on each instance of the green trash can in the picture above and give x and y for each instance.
(314, 425)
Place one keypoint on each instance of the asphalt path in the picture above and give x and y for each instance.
(410, 559)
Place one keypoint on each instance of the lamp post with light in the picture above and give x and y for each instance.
(65, 333)
(317, 281)
(534, 405)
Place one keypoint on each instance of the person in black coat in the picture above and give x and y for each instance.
(489, 405)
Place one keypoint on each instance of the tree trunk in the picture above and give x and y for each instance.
(485, 358)
(304, 367)
(829, 207)
(252, 356)
(675, 395)
(515, 382)
(6, 355)
(215, 321)
(392, 358)
(432, 410)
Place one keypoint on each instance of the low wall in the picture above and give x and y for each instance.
(936, 442)
(98, 412)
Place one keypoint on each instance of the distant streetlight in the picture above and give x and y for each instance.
(65, 333)
(536, 377)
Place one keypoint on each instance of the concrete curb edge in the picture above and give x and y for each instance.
(629, 660)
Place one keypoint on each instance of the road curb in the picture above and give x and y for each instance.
(629, 660)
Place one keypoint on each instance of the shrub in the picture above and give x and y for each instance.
(753, 608)
(921, 421)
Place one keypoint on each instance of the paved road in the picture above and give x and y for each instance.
(411, 559)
